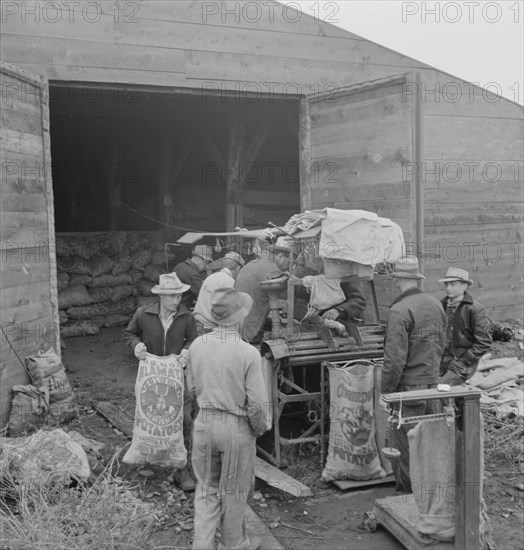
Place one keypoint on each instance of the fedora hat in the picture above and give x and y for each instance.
(229, 306)
(230, 256)
(407, 268)
(203, 251)
(456, 274)
(169, 284)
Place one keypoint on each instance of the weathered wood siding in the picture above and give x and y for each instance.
(183, 43)
(472, 176)
(360, 139)
(28, 269)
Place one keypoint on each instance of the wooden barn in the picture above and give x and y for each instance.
(211, 115)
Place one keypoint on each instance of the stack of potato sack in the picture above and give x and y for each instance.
(49, 397)
(104, 277)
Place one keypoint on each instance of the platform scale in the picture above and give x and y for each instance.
(397, 514)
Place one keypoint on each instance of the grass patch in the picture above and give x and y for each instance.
(105, 514)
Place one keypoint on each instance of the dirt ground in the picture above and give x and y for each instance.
(101, 368)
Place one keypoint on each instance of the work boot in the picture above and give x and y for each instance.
(184, 479)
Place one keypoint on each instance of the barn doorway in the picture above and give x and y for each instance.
(146, 158)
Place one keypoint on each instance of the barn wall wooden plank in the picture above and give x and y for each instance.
(25, 228)
(506, 232)
(24, 295)
(15, 202)
(504, 143)
(361, 170)
(283, 75)
(463, 175)
(23, 274)
(455, 99)
(247, 41)
(271, 16)
(46, 22)
(110, 75)
(16, 141)
(51, 50)
(26, 120)
(24, 174)
(349, 190)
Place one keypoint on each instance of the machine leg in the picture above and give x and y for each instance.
(276, 415)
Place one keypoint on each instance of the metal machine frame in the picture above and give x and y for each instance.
(286, 349)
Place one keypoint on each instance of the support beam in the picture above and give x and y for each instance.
(237, 132)
(216, 155)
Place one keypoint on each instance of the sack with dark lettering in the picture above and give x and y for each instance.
(352, 452)
(157, 432)
(47, 370)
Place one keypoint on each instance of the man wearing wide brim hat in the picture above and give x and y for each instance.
(193, 272)
(413, 348)
(467, 329)
(228, 267)
(164, 328)
(226, 379)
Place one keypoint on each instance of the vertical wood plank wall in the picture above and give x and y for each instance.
(27, 268)
(472, 175)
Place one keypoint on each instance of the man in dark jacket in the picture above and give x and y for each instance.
(413, 349)
(164, 328)
(274, 260)
(467, 334)
(352, 308)
(192, 272)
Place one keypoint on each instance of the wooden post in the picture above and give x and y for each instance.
(167, 155)
(236, 146)
(114, 189)
(467, 473)
(305, 154)
(419, 184)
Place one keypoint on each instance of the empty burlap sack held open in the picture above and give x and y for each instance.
(157, 432)
(352, 452)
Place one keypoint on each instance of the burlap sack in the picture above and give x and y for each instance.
(101, 265)
(432, 473)
(62, 281)
(157, 432)
(352, 452)
(79, 328)
(73, 296)
(46, 370)
(28, 410)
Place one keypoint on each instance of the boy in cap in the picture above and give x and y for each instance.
(225, 375)
(467, 334)
(192, 272)
(228, 267)
(413, 348)
(164, 328)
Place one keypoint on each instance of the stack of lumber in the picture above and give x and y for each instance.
(103, 277)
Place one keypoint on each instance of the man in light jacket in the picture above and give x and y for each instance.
(228, 267)
(225, 375)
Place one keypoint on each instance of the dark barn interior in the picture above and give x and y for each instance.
(145, 159)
